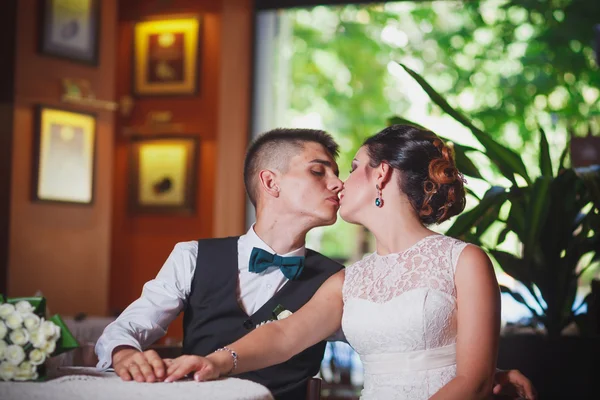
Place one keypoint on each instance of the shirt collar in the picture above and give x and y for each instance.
(251, 240)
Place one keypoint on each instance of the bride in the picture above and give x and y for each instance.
(423, 311)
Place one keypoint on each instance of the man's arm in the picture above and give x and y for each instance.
(512, 384)
(146, 319)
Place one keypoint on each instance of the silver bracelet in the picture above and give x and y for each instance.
(234, 356)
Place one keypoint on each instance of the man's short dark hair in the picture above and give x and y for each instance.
(275, 148)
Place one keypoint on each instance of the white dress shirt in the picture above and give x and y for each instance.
(163, 298)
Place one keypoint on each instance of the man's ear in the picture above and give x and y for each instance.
(269, 182)
(383, 174)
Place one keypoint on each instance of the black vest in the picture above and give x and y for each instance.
(213, 317)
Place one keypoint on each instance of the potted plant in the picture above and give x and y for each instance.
(556, 218)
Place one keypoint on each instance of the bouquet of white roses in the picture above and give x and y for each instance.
(27, 338)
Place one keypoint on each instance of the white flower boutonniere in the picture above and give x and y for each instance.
(284, 314)
(279, 313)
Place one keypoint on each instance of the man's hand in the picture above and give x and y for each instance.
(514, 384)
(180, 367)
(130, 363)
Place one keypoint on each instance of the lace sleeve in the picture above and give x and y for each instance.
(457, 249)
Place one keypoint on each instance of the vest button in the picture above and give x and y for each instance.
(248, 324)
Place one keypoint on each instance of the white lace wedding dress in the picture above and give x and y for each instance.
(400, 316)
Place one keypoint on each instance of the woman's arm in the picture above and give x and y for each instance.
(272, 343)
(478, 317)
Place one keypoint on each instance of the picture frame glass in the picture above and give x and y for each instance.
(65, 156)
(166, 57)
(163, 174)
(71, 29)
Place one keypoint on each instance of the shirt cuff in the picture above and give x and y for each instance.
(105, 352)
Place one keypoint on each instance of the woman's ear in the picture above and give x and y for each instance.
(383, 174)
(269, 182)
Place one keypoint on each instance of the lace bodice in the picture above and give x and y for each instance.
(403, 303)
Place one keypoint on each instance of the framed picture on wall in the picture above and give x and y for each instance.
(70, 29)
(163, 174)
(165, 59)
(63, 159)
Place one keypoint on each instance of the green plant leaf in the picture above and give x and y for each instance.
(519, 298)
(472, 193)
(463, 162)
(508, 161)
(535, 215)
(545, 161)
(496, 195)
(502, 236)
(563, 155)
(516, 216)
(512, 265)
(488, 219)
(586, 300)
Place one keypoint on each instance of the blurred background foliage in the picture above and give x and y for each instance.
(510, 65)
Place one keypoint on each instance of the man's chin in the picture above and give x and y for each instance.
(328, 221)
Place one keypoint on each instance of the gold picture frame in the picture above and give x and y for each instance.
(166, 54)
(64, 156)
(163, 174)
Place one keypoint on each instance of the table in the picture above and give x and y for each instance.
(87, 383)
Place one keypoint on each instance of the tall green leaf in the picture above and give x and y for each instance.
(517, 269)
(472, 193)
(563, 155)
(464, 163)
(545, 161)
(519, 299)
(495, 195)
(508, 161)
(535, 215)
(516, 216)
(502, 236)
(512, 265)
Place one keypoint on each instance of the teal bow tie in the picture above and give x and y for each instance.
(260, 260)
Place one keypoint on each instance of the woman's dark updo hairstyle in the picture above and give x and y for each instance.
(428, 173)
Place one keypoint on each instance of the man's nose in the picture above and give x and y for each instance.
(336, 185)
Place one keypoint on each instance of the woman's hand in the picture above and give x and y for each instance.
(203, 368)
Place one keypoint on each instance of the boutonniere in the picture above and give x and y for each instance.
(279, 313)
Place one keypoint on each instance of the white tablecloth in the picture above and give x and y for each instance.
(86, 383)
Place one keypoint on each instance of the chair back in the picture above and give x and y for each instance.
(313, 389)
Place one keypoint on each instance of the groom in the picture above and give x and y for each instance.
(226, 287)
